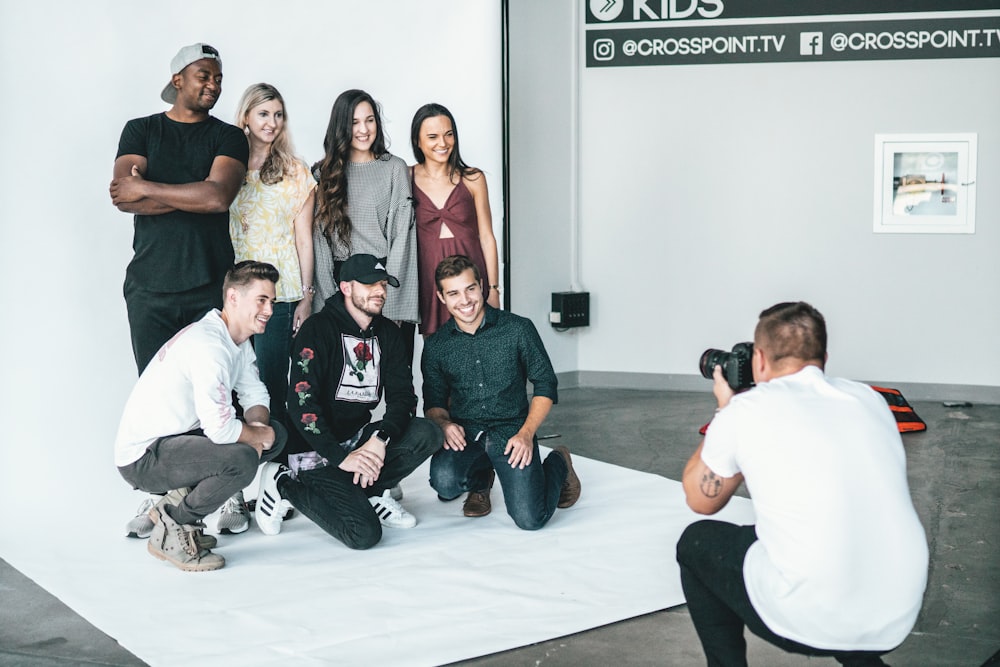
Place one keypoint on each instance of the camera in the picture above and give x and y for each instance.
(735, 365)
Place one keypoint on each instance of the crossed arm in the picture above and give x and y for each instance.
(132, 193)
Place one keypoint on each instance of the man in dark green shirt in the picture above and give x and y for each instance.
(475, 369)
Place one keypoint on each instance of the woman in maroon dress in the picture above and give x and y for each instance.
(452, 211)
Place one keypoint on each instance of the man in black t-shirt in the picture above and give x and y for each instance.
(178, 172)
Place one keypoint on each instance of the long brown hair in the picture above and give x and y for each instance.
(331, 191)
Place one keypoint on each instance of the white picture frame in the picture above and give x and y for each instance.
(925, 183)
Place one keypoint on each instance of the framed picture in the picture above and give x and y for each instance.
(925, 183)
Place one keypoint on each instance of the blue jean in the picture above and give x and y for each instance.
(711, 555)
(273, 348)
(214, 472)
(531, 493)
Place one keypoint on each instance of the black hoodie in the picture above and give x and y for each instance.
(338, 374)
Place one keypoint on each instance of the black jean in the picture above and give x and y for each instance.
(336, 504)
(154, 317)
(711, 555)
(213, 472)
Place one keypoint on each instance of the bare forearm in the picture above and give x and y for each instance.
(537, 412)
(439, 416)
(489, 246)
(145, 207)
(705, 491)
(302, 227)
(197, 197)
(258, 414)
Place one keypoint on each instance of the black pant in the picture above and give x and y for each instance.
(336, 504)
(154, 317)
(409, 332)
(711, 555)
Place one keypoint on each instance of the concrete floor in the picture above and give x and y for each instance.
(954, 470)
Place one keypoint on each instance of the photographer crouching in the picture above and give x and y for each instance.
(837, 562)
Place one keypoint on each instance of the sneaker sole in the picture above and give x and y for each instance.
(234, 531)
(139, 536)
(386, 524)
(186, 567)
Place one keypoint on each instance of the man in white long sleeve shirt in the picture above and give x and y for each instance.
(180, 428)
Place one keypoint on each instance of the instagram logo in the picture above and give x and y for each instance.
(811, 43)
(604, 49)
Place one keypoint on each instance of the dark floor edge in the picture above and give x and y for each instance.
(22, 656)
(914, 391)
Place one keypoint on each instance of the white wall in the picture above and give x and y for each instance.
(542, 141)
(711, 192)
(76, 72)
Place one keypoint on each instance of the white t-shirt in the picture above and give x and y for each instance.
(189, 384)
(841, 559)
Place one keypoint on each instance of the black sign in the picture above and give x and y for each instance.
(916, 39)
(633, 11)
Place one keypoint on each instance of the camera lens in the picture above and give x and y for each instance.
(710, 359)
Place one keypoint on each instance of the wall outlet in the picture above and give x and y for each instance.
(570, 309)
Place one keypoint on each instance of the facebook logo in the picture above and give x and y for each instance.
(811, 43)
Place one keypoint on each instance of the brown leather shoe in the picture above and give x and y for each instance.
(570, 492)
(477, 503)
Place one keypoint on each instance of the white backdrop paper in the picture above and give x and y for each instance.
(449, 589)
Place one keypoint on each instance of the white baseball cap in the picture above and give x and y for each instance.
(185, 57)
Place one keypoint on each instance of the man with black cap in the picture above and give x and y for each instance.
(343, 466)
(178, 172)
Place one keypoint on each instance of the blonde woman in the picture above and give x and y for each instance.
(271, 221)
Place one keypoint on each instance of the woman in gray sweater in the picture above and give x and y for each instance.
(363, 205)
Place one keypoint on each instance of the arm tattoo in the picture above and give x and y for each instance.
(711, 484)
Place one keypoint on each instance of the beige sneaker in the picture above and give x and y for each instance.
(204, 541)
(178, 544)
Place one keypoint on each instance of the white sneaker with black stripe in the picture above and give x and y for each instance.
(141, 526)
(390, 513)
(233, 517)
(271, 507)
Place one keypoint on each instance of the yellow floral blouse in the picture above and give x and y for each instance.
(261, 224)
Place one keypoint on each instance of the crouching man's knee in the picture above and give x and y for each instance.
(364, 537)
(427, 437)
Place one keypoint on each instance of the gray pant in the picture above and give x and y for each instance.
(213, 472)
